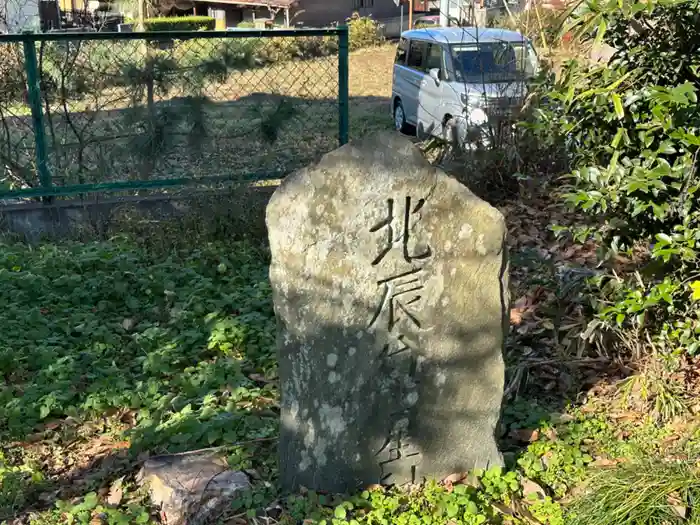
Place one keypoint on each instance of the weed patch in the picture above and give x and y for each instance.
(177, 351)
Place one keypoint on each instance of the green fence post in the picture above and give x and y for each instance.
(34, 95)
(343, 88)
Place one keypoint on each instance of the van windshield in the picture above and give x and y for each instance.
(494, 61)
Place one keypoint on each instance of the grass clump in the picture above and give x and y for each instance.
(642, 492)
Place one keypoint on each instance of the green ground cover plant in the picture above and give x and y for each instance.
(175, 341)
(180, 347)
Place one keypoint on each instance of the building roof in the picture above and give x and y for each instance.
(465, 35)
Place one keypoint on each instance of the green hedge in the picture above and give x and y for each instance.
(180, 23)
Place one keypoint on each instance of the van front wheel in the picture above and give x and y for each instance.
(400, 118)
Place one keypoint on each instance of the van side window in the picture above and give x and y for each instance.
(434, 59)
(401, 52)
(416, 54)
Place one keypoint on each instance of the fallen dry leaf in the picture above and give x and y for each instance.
(557, 418)
(253, 474)
(532, 490)
(570, 252)
(71, 421)
(678, 505)
(503, 509)
(455, 478)
(35, 437)
(52, 425)
(259, 378)
(524, 305)
(670, 439)
(551, 434)
(604, 462)
(128, 417)
(116, 492)
(516, 316)
(49, 497)
(547, 458)
(525, 435)
(625, 416)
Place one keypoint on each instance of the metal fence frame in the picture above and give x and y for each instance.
(48, 189)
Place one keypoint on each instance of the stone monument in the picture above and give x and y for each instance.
(389, 281)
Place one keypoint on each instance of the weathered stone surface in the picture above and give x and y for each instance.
(389, 284)
(191, 488)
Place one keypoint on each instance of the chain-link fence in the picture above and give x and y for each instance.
(123, 111)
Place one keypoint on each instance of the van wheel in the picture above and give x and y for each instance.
(400, 118)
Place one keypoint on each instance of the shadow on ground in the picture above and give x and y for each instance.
(257, 135)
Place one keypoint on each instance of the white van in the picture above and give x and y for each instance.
(460, 83)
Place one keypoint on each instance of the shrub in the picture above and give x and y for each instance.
(180, 23)
(12, 81)
(282, 49)
(632, 124)
(633, 130)
(317, 47)
(364, 32)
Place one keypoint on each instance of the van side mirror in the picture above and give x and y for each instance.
(435, 75)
